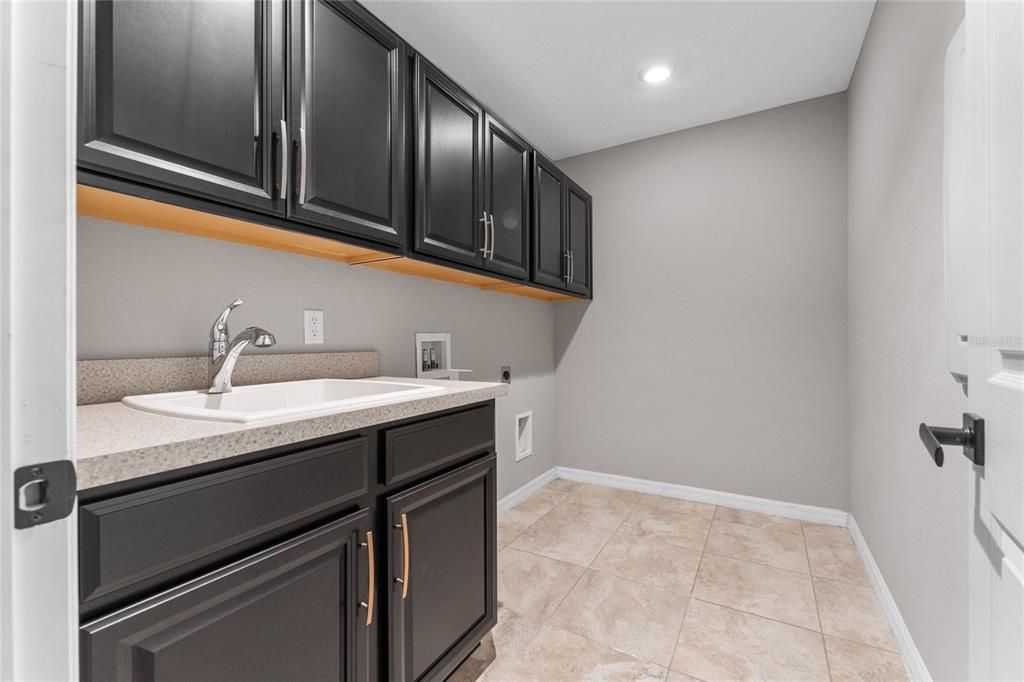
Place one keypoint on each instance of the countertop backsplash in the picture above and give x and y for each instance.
(107, 381)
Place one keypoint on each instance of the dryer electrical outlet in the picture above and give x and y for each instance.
(313, 326)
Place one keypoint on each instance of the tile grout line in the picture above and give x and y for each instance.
(546, 620)
(828, 662)
(817, 611)
(693, 584)
(543, 620)
(574, 585)
(869, 646)
(764, 565)
(689, 593)
(790, 570)
(682, 624)
(751, 526)
(774, 620)
(587, 567)
(590, 567)
(703, 550)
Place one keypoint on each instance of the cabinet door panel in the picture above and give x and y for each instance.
(549, 223)
(448, 162)
(578, 227)
(183, 528)
(182, 94)
(347, 120)
(451, 599)
(507, 198)
(288, 613)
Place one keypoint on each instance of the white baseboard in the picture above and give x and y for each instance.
(524, 491)
(916, 668)
(804, 512)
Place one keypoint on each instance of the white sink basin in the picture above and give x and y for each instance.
(247, 404)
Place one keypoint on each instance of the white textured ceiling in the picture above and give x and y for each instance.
(564, 73)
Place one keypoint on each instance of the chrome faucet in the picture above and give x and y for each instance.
(224, 350)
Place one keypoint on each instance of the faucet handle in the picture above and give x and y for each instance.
(219, 331)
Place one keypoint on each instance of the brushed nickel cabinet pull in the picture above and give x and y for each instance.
(302, 165)
(404, 580)
(484, 221)
(285, 143)
(370, 595)
(492, 237)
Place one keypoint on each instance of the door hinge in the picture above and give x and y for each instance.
(44, 492)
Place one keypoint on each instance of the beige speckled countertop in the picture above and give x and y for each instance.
(115, 442)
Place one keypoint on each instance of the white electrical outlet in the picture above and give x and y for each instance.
(314, 326)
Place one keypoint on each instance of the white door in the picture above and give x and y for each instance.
(38, 563)
(995, 354)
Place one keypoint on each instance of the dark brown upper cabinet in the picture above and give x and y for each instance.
(346, 120)
(315, 117)
(578, 231)
(549, 248)
(506, 200)
(450, 222)
(185, 95)
(562, 230)
(442, 571)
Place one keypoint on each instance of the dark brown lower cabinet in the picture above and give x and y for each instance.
(443, 547)
(364, 556)
(291, 612)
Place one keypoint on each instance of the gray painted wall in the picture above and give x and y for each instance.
(147, 293)
(913, 514)
(714, 354)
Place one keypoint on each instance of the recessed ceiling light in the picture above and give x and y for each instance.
(656, 73)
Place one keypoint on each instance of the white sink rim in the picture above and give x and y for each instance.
(170, 404)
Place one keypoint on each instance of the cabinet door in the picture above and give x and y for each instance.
(346, 119)
(578, 229)
(185, 95)
(291, 612)
(442, 548)
(506, 199)
(449, 125)
(549, 238)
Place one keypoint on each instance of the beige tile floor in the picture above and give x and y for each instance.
(608, 584)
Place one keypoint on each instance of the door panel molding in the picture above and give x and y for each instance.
(428, 79)
(292, 578)
(578, 239)
(322, 209)
(513, 263)
(546, 172)
(443, 564)
(102, 147)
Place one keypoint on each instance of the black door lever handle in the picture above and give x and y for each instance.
(971, 437)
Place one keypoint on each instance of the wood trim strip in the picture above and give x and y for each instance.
(124, 208)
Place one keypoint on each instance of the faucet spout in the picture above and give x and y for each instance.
(224, 350)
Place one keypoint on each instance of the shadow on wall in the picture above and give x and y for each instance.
(567, 322)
